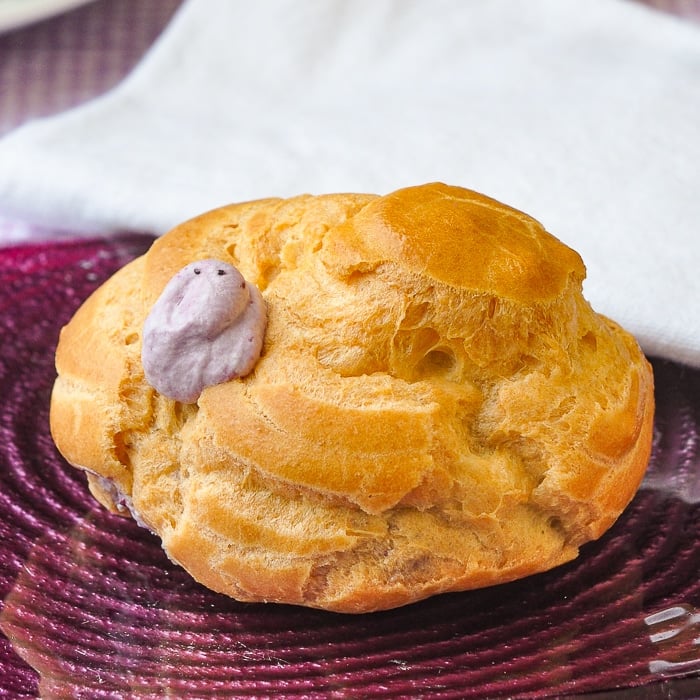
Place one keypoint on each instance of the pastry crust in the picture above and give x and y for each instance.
(436, 407)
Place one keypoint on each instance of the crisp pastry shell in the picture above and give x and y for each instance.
(436, 407)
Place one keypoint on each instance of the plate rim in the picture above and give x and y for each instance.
(21, 13)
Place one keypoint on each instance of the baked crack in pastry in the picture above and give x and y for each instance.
(435, 406)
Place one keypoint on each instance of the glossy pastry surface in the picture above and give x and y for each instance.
(435, 408)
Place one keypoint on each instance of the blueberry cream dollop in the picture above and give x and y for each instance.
(206, 327)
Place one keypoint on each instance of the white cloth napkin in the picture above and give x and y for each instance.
(584, 115)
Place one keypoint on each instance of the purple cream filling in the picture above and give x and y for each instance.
(207, 327)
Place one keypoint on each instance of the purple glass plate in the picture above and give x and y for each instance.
(93, 608)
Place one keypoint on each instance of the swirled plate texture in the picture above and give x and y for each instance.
(93, 608)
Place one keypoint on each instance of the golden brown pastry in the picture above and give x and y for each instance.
(436, 407)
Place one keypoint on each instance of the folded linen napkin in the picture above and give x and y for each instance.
(584, 115)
